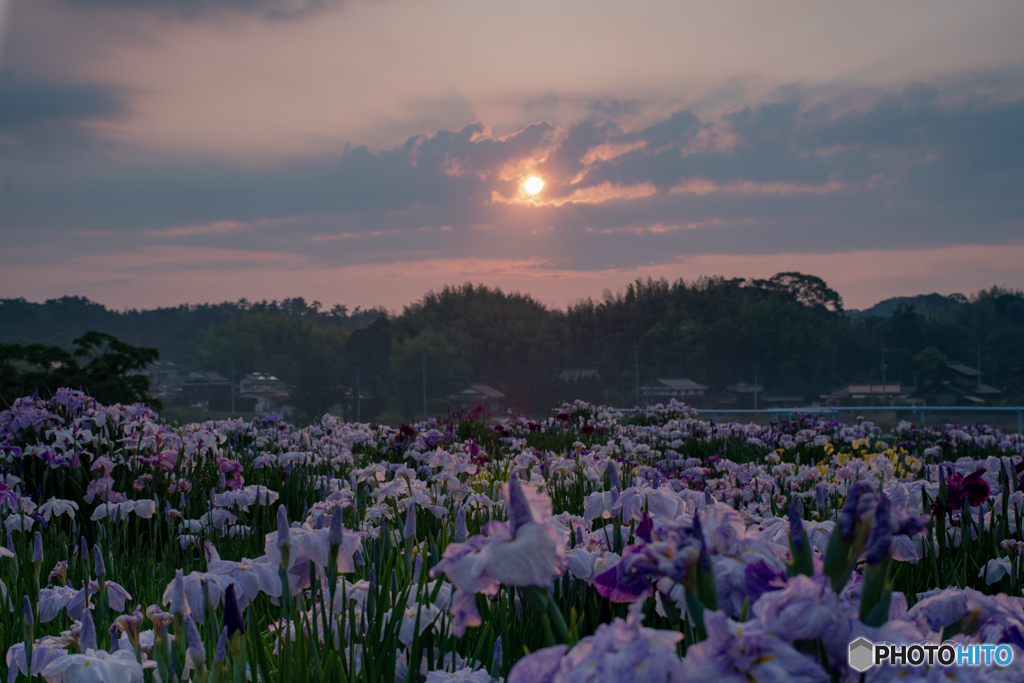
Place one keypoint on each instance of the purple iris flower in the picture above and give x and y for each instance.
(760, 578)
(525, 551)
(739, 652)
(628, 580)
(796, 525)
(848, 514)
(622, 651)
(880, 536)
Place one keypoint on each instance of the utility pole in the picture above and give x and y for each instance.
(636, 367)
(359, 397)
(755, 391)
(232, 382)
(884, 366)
(424, 386)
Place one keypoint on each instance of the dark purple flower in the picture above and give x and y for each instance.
(821, 496)
(973, 488)
(519, 512)
(613, 475)
(796, 525)
(336, 532)
(880, 537)
(99, 567)
(628, 580)
(909, 523)
(698, 535)
(643, 529)
(849, 512)
(233, 622)
(759, 578)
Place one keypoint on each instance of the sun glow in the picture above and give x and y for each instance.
(533, 185)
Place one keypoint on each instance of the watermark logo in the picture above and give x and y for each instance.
(864, 654)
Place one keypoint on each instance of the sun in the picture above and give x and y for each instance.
(533, 185)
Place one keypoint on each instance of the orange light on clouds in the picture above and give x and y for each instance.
(533, 185)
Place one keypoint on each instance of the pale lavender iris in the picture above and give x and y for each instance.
(525, 551)
(738, 653)
(622, 651)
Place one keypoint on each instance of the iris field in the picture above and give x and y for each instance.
(594, 545)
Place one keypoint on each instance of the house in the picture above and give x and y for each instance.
(663, 390)
(579, 374)
(741, 395)
(873, 392)
(203, 386)
(270, 393)
(479, 395)
(955, 384)
(165, 378)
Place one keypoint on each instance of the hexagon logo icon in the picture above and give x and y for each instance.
(862, 654)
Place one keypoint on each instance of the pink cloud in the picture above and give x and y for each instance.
(701, 186)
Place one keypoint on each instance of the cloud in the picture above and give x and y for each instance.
(544, 105)
(190, 10)
(54, 118)
(799, 172)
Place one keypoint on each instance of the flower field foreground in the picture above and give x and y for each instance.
(591, 546)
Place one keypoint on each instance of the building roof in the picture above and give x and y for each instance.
(261, 377)
(681, 384)
(867, 389)
(476, 390)
(206, 377)
(579, 373)
(971, 393)
(745, 388)
(488, 390)
(264, 394)
(964, 370)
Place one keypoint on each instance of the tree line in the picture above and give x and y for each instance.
(790, 331)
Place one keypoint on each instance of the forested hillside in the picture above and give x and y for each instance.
(790, 332)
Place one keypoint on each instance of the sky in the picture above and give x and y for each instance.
(363, 152)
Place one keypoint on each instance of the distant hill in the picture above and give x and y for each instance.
(923, 304)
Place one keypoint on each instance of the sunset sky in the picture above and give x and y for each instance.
(157, 152)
